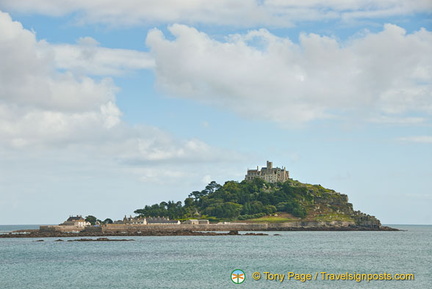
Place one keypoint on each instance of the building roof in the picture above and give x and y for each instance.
(75, 219)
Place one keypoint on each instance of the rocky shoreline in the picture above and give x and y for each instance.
(184, 232)
(37, 234)
(348, 228)
(91, 240)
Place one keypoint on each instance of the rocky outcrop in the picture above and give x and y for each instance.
(100, 240)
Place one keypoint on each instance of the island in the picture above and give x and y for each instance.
(266, 200)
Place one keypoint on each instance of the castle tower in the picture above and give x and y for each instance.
(269, 165)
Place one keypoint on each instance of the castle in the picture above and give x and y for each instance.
(268, 174)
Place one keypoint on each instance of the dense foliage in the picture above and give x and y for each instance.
(234, 200)
(94, 221)
(256, 199)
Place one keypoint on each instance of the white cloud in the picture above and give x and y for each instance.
(378, 74)
(38, 104)
(28, 78)
(88, 58)
(62, 135)
(219, 12)
(206, 179)
(43, 109)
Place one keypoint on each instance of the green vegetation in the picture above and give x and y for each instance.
(259, 201)
(273, 219)
(93, 220)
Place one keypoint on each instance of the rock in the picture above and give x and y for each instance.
(100, 240)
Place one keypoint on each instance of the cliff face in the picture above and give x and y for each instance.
(327, 205)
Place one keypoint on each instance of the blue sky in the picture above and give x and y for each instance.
(108, 106)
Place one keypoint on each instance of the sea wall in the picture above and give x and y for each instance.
(128, 229)
(117, 228)
(227, 227)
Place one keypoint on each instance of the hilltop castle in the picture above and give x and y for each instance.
(268, 174)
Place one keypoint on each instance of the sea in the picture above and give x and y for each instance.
(310, 260)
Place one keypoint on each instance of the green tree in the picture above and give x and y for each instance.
(108, 221)
(224, 210)
(91, 219)
(211, 188)
(188, 202)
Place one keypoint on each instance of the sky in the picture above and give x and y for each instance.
(108, 106)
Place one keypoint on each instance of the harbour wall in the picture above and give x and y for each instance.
(123, 228)
(225, 227)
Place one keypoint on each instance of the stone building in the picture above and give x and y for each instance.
(162, 221)
(197, 222)
(134, 221)
(269, 174)
(76, 221)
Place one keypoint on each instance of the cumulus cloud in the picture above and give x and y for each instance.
(42, 108)
(88, 58)
(260, 75)
(219, 12)
(38, 104)
(28, 77)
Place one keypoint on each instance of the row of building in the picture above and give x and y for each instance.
(79, 222)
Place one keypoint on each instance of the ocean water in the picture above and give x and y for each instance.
(207, 261)
(9, 228)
